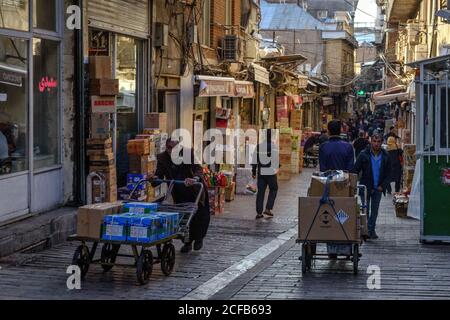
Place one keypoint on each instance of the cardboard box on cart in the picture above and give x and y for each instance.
(327, 226)
(90, 218)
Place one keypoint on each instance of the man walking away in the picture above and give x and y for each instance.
(266, 174)
(336, 154)
(375, 165)
(361, 143)
(396, 158)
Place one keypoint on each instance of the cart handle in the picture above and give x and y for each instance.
(171, 183)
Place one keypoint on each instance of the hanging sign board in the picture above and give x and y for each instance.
(216, 88)
(103, 104)
(244, 89)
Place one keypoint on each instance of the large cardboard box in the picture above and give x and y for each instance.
(138, 147)
(99, 144)
(337, 188)
(156, 121)
(100, 126)
(142, 164)
(296, 119)
(104, 87)
(100, 67)
(327, 227)
(90, 218)
(284, 122)
(104, 160)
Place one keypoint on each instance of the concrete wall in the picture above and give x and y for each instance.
(68, 91)
(340, 64)
(306, 42)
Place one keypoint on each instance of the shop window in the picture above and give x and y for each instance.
(44, 15)
(429, 119)
(13, 105)
(14, 14)
(126, 72)
(206, 23)
(46, 84)
(445, 118)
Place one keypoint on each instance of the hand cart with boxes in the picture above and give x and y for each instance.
(338, 222)
(142, 253)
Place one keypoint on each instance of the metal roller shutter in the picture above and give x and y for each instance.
(129, 17)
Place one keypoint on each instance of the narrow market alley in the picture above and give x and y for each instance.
(408, 269)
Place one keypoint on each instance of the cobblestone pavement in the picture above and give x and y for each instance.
(408, 269)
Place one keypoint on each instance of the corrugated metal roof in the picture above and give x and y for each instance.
(288, 16)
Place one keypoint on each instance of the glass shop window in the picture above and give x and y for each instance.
(14, 14)
(44, 15)
(445, 118)
(13, 105)
(46, 95)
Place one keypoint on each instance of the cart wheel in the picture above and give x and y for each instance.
(82, 259)
(168, 259)
(144, 266)
(355, 259)
(108, 256)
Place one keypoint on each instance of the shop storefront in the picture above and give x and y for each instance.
(120, 29)
(31, 168)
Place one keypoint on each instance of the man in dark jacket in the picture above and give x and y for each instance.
(265, 171)
(336, 154)
(360, 144)
(375, 166)
(190, 173)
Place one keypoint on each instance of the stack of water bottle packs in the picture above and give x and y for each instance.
(140, 222)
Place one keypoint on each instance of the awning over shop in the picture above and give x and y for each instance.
(391, 98)
(392, 90)
(215, 86)
(244, 89)
(261, 74)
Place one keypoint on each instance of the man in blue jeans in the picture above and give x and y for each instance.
(375, 166)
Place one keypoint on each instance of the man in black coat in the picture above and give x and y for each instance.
(190, 173)
(375, 166)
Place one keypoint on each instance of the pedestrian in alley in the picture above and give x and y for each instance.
(396, 158)
(336, 154)
(391, 133)
(264, 171)
(190, 174)
(375, 166)
(361, 143)
(323, 136)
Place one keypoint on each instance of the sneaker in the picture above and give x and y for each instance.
(186, 248)
(259, 216)
(268, 213)
(198, 245)
(374, 235)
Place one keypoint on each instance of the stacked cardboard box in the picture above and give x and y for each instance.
(90, 218)
(296, 119)
(297, 158)
(102, 161)
(285, 171)
(156, 121)
(282, 107)
(103, 88)
(325, 225)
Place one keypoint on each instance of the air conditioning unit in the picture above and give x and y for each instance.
(230, 48)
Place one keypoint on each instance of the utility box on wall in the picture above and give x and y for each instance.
(161, 35)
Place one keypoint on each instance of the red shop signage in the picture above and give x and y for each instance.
(47, 83)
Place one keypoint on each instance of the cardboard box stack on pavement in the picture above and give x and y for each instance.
(297, 119)
(102, 161)
(285, 145)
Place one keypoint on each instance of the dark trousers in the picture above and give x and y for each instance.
(397, 181)
(373, 204)
(263, 183)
